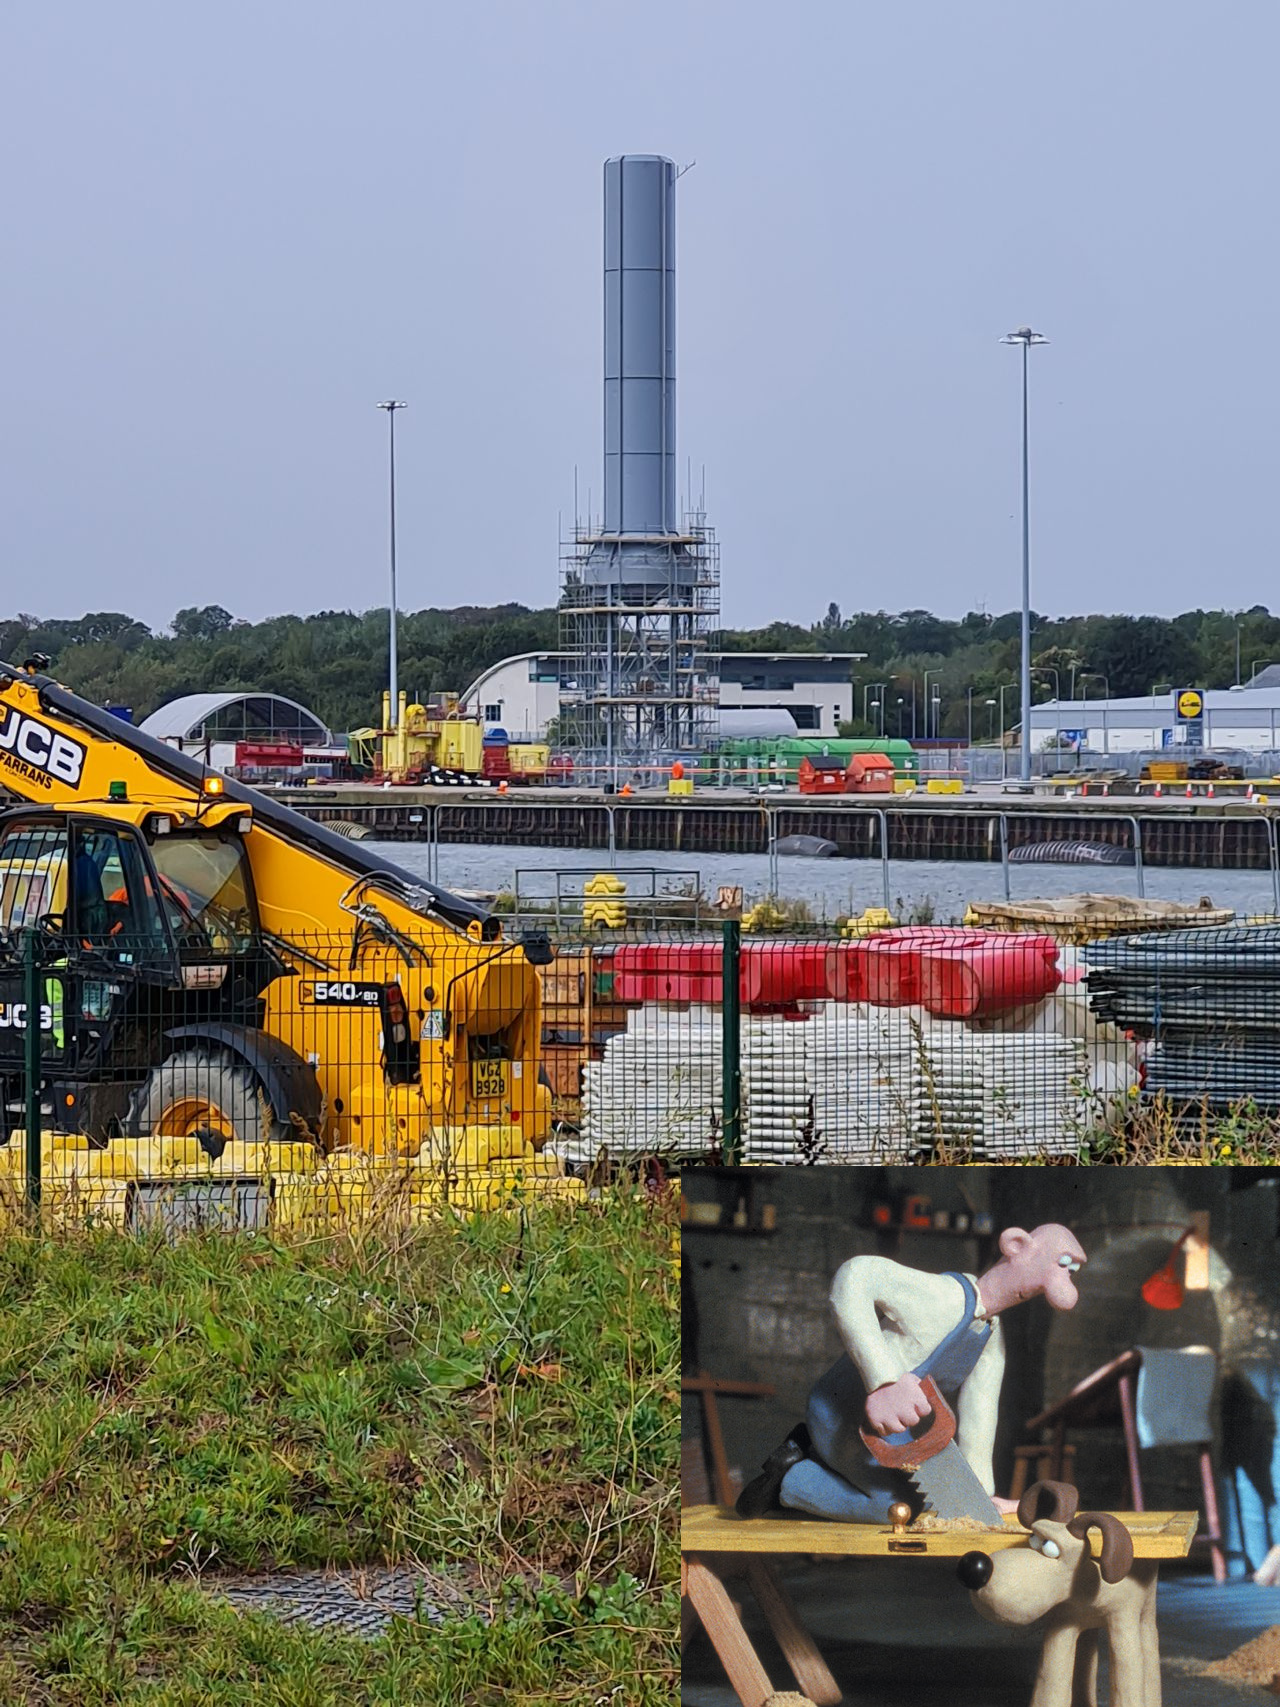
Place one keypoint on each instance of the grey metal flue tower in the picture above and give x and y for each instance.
(640, 584)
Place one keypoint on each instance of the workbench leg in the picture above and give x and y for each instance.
(748, 1677)
(807, 1664)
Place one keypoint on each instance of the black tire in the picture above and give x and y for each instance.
(209, 1096)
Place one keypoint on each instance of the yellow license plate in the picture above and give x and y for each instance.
(490, 1081)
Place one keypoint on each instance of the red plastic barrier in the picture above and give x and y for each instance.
(885, 969)
(953, 972)
(1006, 971)
(773, 974)
(776, 974)
(667, 972)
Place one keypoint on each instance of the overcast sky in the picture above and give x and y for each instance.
(231, 229)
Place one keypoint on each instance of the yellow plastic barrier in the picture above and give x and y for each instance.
(602, 903)
(873, 919)
(680, 785)
(904, 785)
(944, 785)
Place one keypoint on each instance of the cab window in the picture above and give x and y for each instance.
(114, 898)
(33, 875)
(204, 887)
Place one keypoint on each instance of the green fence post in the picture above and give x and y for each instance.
(31, 1041)
(731, 1058)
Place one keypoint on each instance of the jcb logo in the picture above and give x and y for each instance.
(13, 1016)
(43, 749)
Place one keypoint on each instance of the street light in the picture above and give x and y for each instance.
(877, 705)
(991, 720)
(1051, 670)
(1003, 744)
(928, 702)
(1027, 339)
(391, 405)
(936, 705)
(868, 690)
(1098, 676)
(906, 676)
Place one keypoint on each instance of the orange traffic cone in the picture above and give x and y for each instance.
(625, 789)
(502, 786)
(1188, 791)
(1159, 790)
(1209, 792)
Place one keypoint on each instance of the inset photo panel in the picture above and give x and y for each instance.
(991, 1425)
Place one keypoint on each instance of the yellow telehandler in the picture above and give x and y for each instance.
(219, 973)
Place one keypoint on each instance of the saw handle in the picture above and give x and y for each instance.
(940, 1432)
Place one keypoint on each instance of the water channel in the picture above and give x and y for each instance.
(837, 886)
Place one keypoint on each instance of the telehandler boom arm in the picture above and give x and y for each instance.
(59, 750)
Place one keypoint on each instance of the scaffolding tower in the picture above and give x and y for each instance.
(639, 614)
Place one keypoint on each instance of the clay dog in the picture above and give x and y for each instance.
(1056, 1574)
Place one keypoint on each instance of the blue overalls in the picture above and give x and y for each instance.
(842, 1480)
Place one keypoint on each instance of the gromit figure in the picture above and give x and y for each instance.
(1057, 1574)
(898, 1326)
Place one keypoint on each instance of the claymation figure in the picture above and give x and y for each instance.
(898, 1326)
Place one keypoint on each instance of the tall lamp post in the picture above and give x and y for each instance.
(1027, 339)
(391, 405)
(1098, 676)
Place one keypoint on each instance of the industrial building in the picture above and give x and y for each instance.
(1243, 718)
(640, 584)
(221, 728)
(814, 690)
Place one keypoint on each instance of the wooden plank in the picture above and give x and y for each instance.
(710, 1529)
(721, 1622)
(808, 1667)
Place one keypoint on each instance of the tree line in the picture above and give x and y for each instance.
(336, 661)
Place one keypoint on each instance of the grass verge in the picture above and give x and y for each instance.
(495, 1399)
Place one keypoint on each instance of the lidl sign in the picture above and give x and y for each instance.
(1190, 706)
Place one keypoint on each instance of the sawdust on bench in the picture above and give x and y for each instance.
(1257, 1661)
(929, 1523)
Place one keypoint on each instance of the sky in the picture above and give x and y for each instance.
(232, 229)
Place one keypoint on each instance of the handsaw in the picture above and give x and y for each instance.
(936, 1464)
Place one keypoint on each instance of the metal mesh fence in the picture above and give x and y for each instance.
(1065, 1035)
(296, 1082)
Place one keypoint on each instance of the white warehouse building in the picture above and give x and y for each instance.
(815, 689)
(1245, 718)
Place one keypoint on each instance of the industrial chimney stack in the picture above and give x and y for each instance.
(640, 586)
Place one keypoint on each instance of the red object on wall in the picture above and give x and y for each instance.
(823, 774)
(266, 755)
(870, 773)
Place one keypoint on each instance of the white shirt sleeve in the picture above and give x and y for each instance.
(924, 1307)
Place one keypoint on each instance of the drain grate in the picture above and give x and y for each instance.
(351, 1603)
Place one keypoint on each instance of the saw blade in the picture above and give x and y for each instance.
(951, 1488)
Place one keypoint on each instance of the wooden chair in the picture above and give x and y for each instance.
(1113, 1390)
(1036, 1464)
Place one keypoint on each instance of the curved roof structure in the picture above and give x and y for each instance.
(237, 716)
